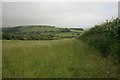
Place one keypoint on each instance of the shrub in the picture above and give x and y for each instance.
(104, 37)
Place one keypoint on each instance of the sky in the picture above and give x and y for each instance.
(60, 14)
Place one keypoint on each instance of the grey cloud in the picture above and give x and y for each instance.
(64, 14)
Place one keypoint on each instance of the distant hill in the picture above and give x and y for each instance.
(40, 30)
(27, 28)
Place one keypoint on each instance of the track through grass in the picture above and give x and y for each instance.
(57, 58)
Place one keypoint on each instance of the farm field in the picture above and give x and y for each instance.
(63, 58)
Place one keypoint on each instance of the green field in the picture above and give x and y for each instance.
(57, 58)
(27, 29)
(35, 32)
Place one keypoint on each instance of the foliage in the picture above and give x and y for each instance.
(105, 37)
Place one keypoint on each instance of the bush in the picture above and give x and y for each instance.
(104, 37)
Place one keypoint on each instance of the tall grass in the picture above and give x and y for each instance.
(54, 59)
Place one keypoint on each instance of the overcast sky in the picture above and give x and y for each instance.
(61, 14)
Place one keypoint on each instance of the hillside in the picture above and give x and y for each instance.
(40, 32)
(36, 52)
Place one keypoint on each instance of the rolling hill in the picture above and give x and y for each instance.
(33, 52)
(40, 32)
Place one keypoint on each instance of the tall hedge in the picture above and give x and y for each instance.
(105, 37)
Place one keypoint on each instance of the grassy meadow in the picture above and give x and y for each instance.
(69, 58)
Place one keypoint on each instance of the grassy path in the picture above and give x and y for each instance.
(58, 58)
